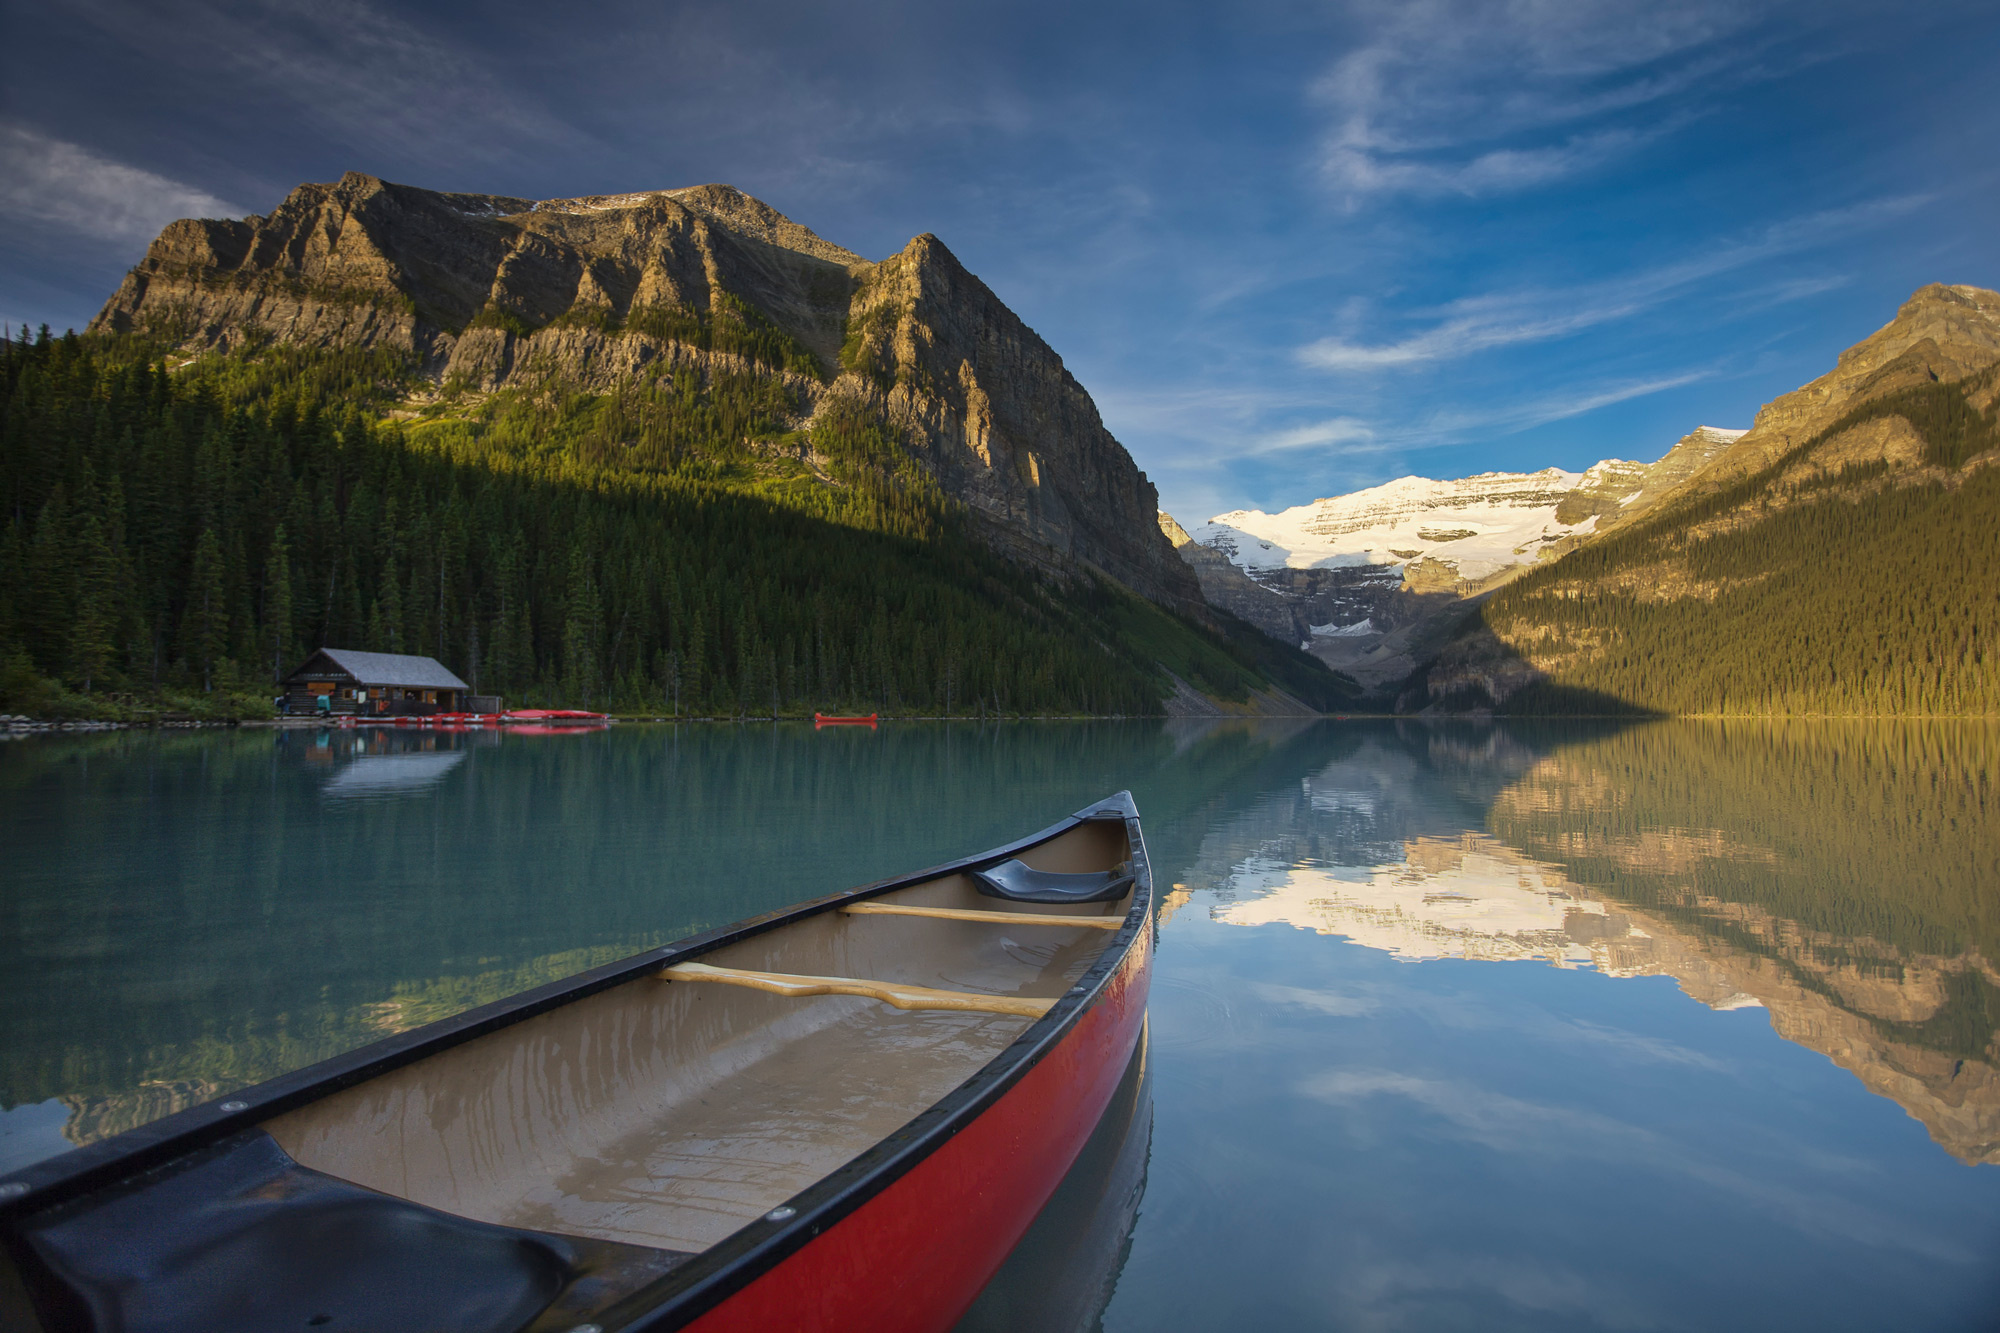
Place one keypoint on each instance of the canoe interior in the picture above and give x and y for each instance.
(669, 1114)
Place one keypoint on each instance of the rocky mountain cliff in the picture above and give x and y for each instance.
(1372, 581)
(483, 294)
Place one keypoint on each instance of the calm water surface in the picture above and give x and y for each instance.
(1678, 1026)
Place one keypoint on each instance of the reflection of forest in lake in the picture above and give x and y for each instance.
(1845, 876)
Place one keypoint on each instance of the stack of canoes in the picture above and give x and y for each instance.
(842, 1115)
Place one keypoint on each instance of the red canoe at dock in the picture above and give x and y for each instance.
(830, 720)
(838, 1116)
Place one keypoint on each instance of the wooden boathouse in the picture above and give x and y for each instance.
(377, 685)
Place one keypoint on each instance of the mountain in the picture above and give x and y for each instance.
(664, 452)
(1840, 557)
(1370, 582)
(486, 293)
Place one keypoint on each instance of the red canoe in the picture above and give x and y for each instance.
(551, 715)
(838, 1116)
(829, 720)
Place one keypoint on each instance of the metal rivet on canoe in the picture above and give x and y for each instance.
(1078, 990)
(13, 1189)
(588, 1328)
(234, 1106)
(781, 1214)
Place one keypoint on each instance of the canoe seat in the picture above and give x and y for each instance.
(240, 1237)
(1017, 882)
(888, 992)
(993, 918)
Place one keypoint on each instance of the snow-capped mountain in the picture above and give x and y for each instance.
(1359, 579)
(1479, 525)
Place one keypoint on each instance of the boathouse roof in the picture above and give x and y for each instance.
(404, 669)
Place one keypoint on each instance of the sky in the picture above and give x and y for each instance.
(1292, 249)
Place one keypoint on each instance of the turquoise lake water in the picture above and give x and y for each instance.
(1673, 1026)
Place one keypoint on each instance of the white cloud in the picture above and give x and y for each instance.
(1500, 319)
(1572, 402)
(1464, 97)
(50, 181)
(1350, 434)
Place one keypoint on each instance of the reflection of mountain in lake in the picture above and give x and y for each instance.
(1443, 900)
(1839, 875)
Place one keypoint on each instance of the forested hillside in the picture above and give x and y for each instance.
(1855, 573)
(197, 530)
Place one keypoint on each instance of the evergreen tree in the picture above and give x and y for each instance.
(582, 627)
(205, 623)
(278, 604)
(95, 619)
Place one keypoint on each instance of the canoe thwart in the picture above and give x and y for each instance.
(970, 914)
(1018, 882)
(888, 992)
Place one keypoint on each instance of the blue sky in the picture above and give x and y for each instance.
(1292, 249)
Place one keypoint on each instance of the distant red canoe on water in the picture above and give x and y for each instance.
(824, 720)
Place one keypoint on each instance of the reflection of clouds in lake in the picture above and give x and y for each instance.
(1378, 1290)
(1469, 1113)
(379, 775)
(1332, 1003)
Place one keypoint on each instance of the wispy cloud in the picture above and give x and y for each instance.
(1499, 319)
(1460, 97)
(1334, 435)
(48, 181)
(1442, 428)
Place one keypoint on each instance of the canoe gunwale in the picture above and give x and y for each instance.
(744, 1255)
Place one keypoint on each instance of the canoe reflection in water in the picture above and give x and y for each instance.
(840, 1115)
(1064, 1272)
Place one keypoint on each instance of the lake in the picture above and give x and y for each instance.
(1681, 1025)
